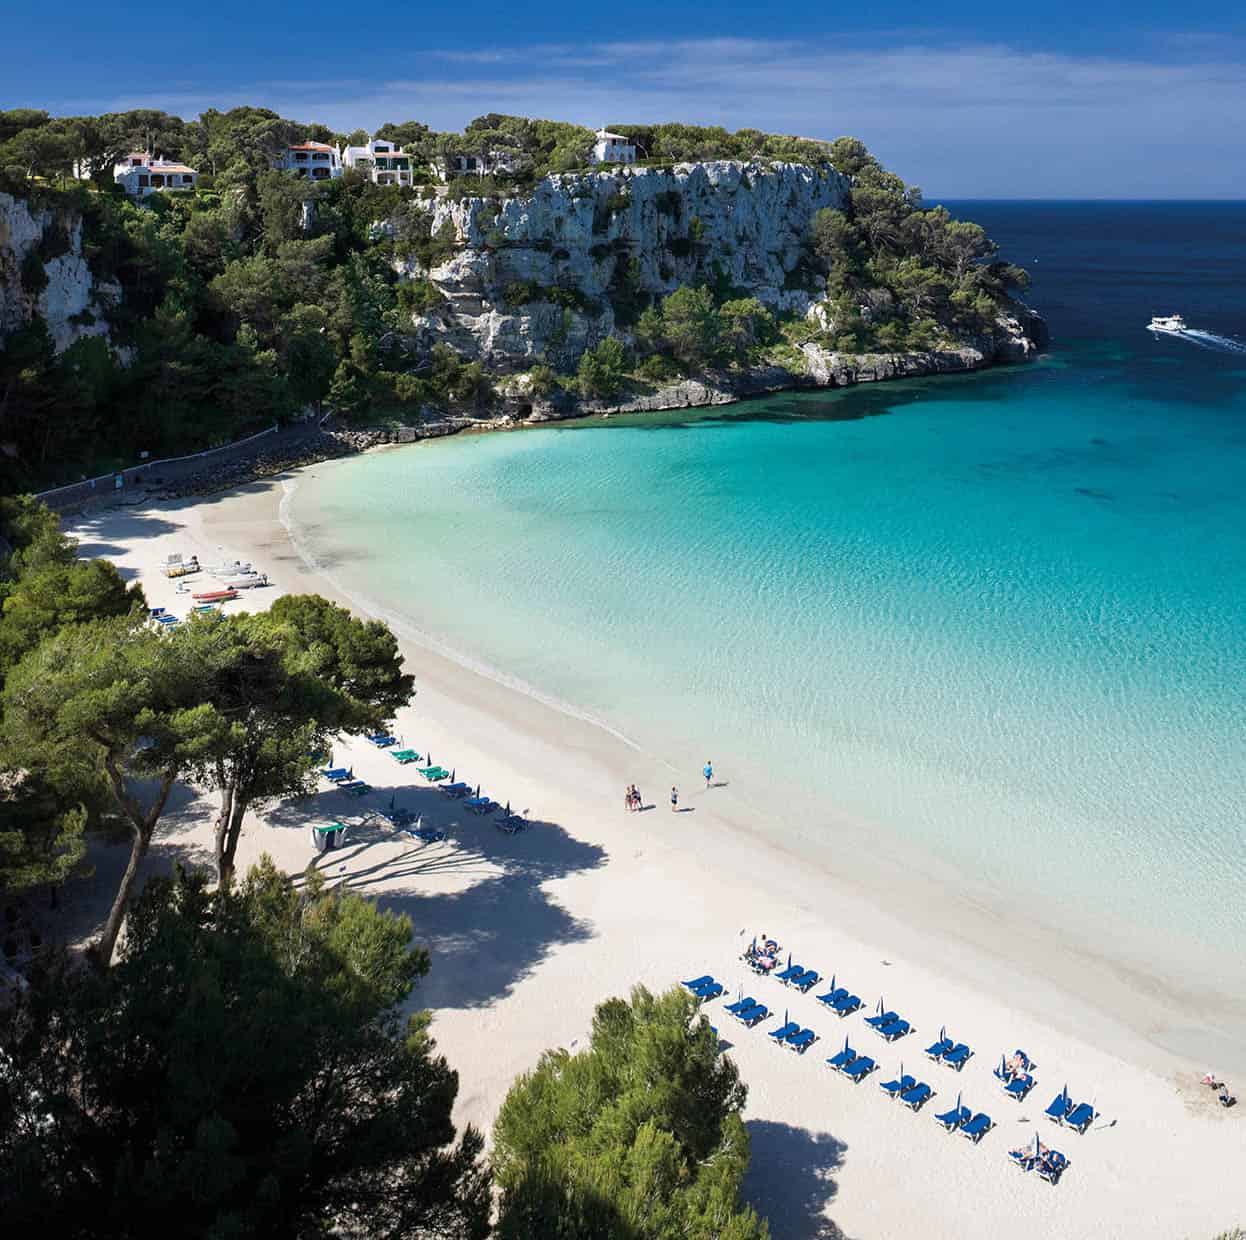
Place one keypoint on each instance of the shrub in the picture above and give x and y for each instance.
(542, 380)
(669, 202)
(34, 276)
(419, 296)
(657, 369)
(601, 370)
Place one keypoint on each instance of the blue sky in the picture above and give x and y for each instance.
(1059, 99)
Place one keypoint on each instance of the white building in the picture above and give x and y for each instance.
(382, 161)
(613, 148)
(316, 160)
(140, 174)
(482, 163)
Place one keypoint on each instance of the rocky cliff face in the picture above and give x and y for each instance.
(601, 235)
(72, 302)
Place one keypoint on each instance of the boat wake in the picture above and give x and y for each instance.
(1209, 340)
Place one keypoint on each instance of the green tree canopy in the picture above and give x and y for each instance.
(638, 1135)
(243, 1071)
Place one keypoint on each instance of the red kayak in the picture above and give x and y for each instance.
(215, 596)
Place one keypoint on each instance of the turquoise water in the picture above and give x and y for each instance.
(987, 627)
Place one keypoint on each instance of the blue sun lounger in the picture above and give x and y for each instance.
(357, 788)
(482, 805)
(338, 774)
(429, 835)
(459, 789)
(938, 1049)
(859, 1069)
(917, 1097)
(383, 740)
(792, 970)
(841, 1059)
(1019, 1087)
(511, 823)
(782, 1034)
(1060, 1108)
(801, 1042)
(739, 1005)
(752, 1016)
(708, 992)
(703, 980)
(832, 996)
(978, 1127)
(1023, 1158)
(893, 1089)
(806, 983)
(398, 817)
(879, 1019)
(955, 1118)
(894, 1029)
(958, 1056)
(1081, 1117)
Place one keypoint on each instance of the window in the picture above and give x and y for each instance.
(143, 180)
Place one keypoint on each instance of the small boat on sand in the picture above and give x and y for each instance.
(245, 581)
(215, 596)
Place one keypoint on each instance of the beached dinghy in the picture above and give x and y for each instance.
(245, 581)
(215, 596)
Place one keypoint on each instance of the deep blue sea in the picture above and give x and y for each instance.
(988, 628)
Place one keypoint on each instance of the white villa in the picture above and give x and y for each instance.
(382, 161)
(316, 160)
(140, 174)
(613, 148)
(483, 163)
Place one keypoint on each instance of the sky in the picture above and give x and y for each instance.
(965, 99)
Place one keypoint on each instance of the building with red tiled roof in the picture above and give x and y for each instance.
(141, 174)
(318, 161)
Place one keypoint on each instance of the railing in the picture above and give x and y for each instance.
(106, 484)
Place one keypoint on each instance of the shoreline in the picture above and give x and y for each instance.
(301, 446)
(593, 900)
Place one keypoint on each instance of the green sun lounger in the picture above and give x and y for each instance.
(434, 773)
(404, 755)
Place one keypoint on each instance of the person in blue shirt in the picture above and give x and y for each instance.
(708, 772)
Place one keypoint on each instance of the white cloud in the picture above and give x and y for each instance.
(973, 120)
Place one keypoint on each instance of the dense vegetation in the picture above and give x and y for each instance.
(637, 1135)
(242, 1071)
(245, 1063)
(240, 306)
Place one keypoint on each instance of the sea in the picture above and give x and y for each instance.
(986, 632)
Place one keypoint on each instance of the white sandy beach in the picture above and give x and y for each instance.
(528, 933)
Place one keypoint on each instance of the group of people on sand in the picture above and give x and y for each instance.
(762, 954)
(1213, 1082)
(1043, 1160)
(632, 800)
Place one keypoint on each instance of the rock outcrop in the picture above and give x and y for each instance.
(602, 237)
(43, 272)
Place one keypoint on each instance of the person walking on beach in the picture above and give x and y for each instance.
(708, 772)
(674, 799)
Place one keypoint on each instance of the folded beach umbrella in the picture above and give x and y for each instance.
(477, 793)
(452, 773)
(845, 1041)
(789, 960)
(508, 809)
(391, 800)
(832, 983)
(880, 1009)
(1038, 1147)
(958, 1100)
(942, 1033)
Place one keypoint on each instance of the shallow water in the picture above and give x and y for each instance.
(990, 627)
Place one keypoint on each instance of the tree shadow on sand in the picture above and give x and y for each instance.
(484, 937)
(789, 1179)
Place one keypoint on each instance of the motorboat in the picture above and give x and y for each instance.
(1167, 323)
(236, 568)
(245, 581)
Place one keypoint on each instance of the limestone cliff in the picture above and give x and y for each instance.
(43, 272)
(600, 235)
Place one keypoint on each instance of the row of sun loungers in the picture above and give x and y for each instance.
(1062, 1111)
(947, 1051)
